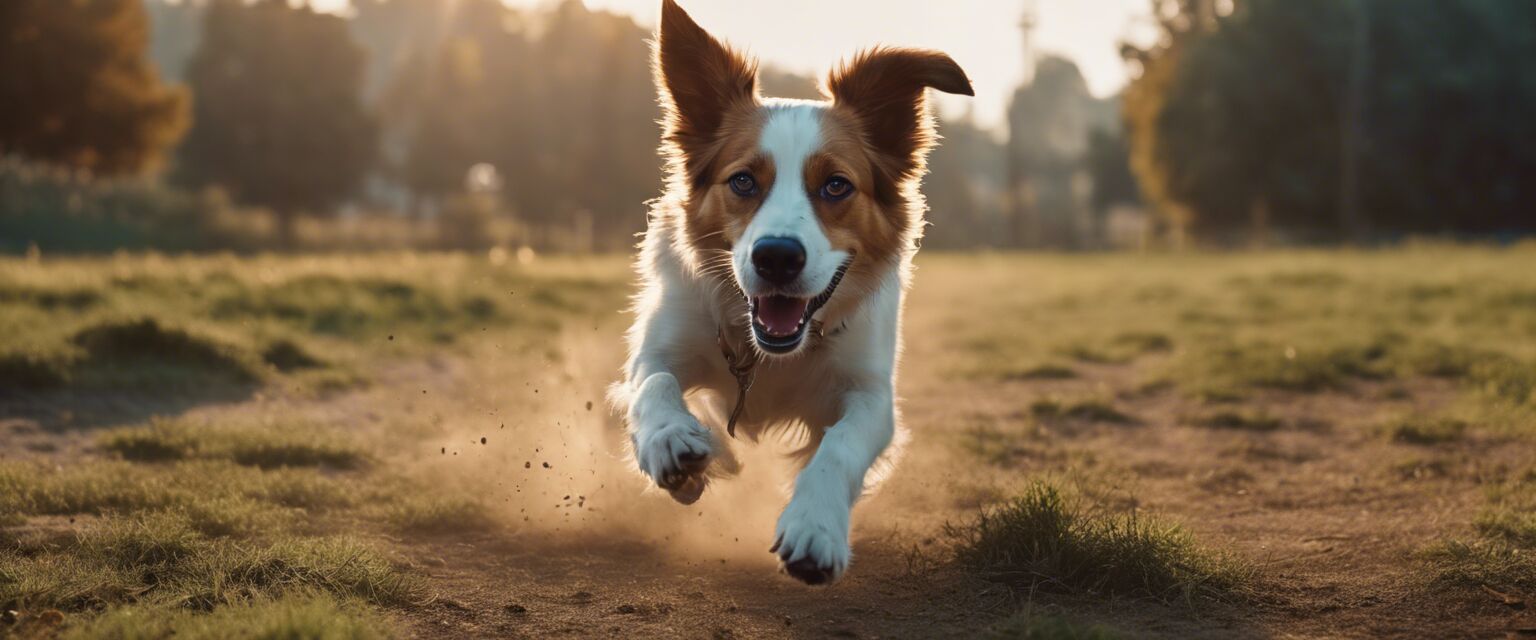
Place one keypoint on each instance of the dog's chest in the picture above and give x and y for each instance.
(805, 389)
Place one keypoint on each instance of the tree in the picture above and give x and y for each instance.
(1323, 118)
(1109, 165)
(77, 88)
(1049, 120)
(279, 119)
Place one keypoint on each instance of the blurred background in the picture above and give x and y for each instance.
(212, 125)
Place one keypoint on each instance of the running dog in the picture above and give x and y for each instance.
(772, 275)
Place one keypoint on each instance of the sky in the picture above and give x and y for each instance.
(984, 36)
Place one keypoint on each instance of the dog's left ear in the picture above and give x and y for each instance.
(884, 88)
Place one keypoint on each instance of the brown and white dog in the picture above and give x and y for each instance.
(776, 261)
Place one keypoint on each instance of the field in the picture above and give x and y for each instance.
(1294, 444)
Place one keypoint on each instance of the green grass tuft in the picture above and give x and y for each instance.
(262, 446)
(1510, 513)
(1235, 419)
(288, 356)
(1085, 409)
(32, 371)
(146, 343)
(1471, 565)
(1422, 430)
(1044, 540)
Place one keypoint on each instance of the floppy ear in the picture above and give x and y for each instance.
(884, 87)
(700, 79)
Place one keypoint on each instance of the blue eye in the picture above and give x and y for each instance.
(743, 184)
(836, 189)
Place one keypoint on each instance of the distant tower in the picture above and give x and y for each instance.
(1028, 20)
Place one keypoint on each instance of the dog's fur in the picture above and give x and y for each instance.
(837, 383)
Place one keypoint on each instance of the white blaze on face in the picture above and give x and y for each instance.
(792, 134)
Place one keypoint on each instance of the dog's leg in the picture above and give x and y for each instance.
(671, 446)
(812, 534)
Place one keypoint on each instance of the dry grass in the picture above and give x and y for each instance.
(317, 616)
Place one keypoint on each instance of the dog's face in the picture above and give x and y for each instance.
(808, 203)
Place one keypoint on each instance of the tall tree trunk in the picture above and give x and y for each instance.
(1352, 124)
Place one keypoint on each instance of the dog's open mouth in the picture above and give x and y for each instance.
(779, 322)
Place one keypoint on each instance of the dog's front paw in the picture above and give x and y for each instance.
(812, 542)
(674, 453)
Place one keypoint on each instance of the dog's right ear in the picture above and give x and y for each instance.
(700, 79)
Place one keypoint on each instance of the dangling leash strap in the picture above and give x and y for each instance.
(742, 367)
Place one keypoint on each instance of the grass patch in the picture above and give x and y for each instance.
(1235, 419)
(267, 447)
(287, 356)
(1425, 431)
(31, 371)
(316, 616)
(160, 559)
(145, 345)
(161, 326)
(1142, 342)
(105, 487)
(1043, 372)
(436, 514)
(1510, 513)
(1045, 540)
(1471, 565)
(1235, 368)
(1084, 409)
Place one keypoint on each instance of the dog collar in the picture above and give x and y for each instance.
(743, 366)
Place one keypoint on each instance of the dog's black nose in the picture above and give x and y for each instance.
(778, 260)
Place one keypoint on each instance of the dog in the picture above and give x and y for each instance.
(772, 274)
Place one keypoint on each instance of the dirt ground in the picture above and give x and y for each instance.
(1330, 516)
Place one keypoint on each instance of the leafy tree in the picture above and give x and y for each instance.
(279, 120)
(963, 187)
(1245, 121)
(76, 87)
(1108, 160)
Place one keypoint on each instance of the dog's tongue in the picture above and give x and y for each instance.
(781, 315)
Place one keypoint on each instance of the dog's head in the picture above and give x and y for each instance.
(808, 204)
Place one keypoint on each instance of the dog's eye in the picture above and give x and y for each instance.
(836, 188)
(744, 184)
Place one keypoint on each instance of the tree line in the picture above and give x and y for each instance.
(1327, 119)
(1269, 119)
